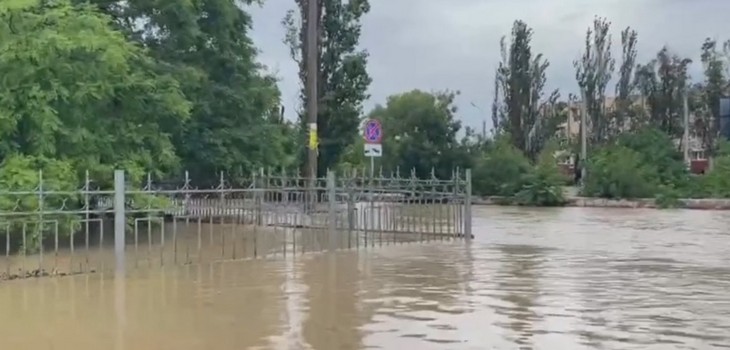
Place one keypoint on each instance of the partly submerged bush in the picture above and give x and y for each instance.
(620, 172)
(500, 171)
(668, 197)
(543, 185)
(538, 190)
(716, 183)
(656, 149)
(41, 197)
(505, 171)
(25, 212)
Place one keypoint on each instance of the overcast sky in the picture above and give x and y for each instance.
(454, 44)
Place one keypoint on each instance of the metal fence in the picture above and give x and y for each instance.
(49, 230)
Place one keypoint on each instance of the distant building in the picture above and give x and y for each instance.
(570, 130)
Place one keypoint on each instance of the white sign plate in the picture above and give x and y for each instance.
(373, 150)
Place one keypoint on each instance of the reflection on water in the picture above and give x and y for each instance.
(572, 278)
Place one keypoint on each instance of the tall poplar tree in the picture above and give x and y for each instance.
(343, 78)
(524, 113)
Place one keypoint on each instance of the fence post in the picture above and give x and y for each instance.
(350, 206)
(119, 218)
(467, 206)
(221, 197)
(257, 194)
(331, 199)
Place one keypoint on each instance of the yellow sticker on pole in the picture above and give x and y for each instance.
(313, 141)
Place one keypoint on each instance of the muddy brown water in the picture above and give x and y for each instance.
(571, 278)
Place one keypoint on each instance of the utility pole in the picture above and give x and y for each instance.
(685, 136)
(583, 136)
(484, 122)
(312, 47)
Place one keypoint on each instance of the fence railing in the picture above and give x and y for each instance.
(52, 230)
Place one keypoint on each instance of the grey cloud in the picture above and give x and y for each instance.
(454, 44)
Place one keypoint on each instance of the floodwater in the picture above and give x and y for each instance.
(570, 278)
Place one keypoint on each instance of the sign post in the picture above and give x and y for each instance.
(373, 137)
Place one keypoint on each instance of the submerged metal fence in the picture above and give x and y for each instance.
(52, 230)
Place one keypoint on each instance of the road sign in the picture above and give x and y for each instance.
(373, 131)
(373, 150)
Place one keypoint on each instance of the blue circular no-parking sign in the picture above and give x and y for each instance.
(373, 131)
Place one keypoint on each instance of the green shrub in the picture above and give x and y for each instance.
(667, 197)
(657, 149)
(543, 185)
(539, 191)
(716, 183)
(505, 171)
(24, 210)
(620, 172)
(500, 171)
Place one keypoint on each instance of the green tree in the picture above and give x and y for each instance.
(76, 90)
(235, 124)
(705, 96)
(624, 86)
(626, 114)
(524, 113)
(593, 72)
(420, 133)
(353, 159)
(343, 78)
(661, 83)
(495, 105)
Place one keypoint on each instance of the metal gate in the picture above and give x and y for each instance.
(53, 231)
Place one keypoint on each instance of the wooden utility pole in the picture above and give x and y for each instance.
(685, 136)
(312, 47)
(583, 136)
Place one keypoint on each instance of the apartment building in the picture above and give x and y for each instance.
(570, 130)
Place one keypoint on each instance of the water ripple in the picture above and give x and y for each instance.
(625, 280)
(567, 278)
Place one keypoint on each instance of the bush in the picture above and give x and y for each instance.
(657, 149)
(543, 185)
(716, 183)
(641, 164)
(23, 208)
(620, 172)
(539, 190)
(505, 171)
(667, 197)
(501, 170)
